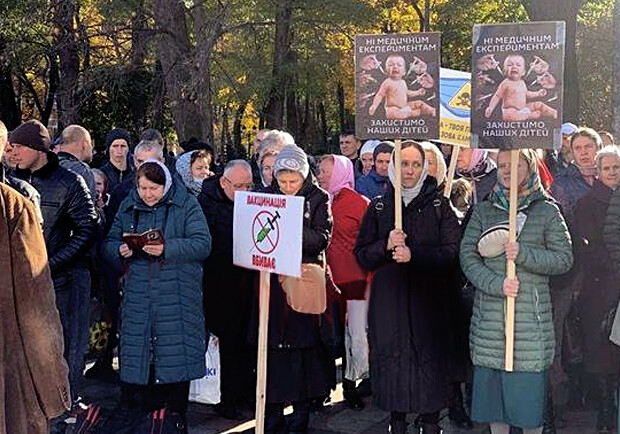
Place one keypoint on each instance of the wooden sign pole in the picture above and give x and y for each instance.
(398, 201)
(510, 265)
(261, 374)
(447, 190)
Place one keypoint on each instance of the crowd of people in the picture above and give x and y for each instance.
(417, 314)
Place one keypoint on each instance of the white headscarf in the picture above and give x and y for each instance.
(168, 183)
(408, 193)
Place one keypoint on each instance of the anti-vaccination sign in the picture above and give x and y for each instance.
(455, 98)
(517, 76)
(397, 86)
(267, 232)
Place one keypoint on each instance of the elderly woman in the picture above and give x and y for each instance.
(162, 333)
(367, 156)
(348, 207)
(412, 270)
(193, 167)
(543, 249)
(598, 283)
(299, 366)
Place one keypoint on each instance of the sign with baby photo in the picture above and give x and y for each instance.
(397, 86)
(517, 77)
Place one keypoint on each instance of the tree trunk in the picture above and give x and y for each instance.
(282, 66)
(616, 74)
(9, 110)
(341, 107)
(66, 47)
(236, 137)
(323, 125)
(140, 35)
(188, 90)
(548, 10)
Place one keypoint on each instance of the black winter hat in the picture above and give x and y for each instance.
(117, 133)
(32, 134)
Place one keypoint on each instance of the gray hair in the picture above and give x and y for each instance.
(150, 145)
(276, 139)
(233, 164)
(607, 151)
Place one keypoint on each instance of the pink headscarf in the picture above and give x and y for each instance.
(342, 175)
(477, 156)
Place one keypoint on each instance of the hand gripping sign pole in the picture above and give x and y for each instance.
(398, 201)
(510, 265)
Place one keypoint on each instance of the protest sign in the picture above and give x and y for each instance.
(267, 232)
(517, 78)
(455, 108)
(267, 236)
(397, 86)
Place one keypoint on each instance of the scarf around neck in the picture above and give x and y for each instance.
(500, 196)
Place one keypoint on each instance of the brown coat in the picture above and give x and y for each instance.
(34, 382)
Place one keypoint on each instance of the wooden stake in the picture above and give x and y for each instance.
(447, 190)
(261, 370)
(510, 265)
(398, 200)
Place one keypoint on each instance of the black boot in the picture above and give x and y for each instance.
(606, 409)
(429, 423)
(351, 396)
(549, 416)
(398, 423)
(364, 389)
(430, 428)
(456, 411)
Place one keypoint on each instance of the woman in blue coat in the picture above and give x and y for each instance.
(162, 334)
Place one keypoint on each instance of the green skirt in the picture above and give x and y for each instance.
(514, 398)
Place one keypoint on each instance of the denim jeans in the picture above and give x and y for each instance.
(73, 303)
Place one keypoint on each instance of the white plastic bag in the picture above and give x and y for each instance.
(206, 390)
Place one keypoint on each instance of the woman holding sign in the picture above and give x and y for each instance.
(299, 366)
(543, 249)
(413, 273)
(162, 333)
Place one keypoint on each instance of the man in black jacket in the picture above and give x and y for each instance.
(70, 229)
(228, 289)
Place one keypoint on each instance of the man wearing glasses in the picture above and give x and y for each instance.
(228, 290)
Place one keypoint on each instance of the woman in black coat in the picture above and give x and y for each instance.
(300, 366)
(599, 289)
(407, 309)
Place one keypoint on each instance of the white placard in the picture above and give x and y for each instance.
(267, 232)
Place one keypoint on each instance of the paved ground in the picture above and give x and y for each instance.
(334, 419)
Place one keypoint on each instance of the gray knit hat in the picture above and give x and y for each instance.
(293, 158)
(32, 134)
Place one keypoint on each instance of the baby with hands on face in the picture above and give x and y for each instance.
(514, 94)
(394, 90)
(396, 243)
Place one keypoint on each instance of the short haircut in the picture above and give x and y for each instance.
(607, 151)
(348, 132)
(276, 139)
(74, 134)
(589, 133)
(232, 164)
(151, 171)
(203, 153)
(4, 133)
(151, 134)
(148, 146)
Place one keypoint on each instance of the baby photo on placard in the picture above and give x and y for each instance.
(517, 85)
(397, 86)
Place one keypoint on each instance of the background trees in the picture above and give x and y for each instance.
(220, 70)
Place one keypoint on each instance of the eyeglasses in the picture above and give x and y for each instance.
(241, 185)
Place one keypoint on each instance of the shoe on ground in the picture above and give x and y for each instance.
(459, 417)
(364, 389)
(351, 397)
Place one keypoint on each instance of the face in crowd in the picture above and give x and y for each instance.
(584, 150)
(367, 162)
(609, 171)
(411, 166)
(236, 179)
(503, 170)
(118, 151)
(382, 163)
(431, 157)
(349, 146)
(267, 168)
(289, 182)
(326, 167)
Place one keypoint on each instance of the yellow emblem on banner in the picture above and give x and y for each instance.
(462, 98)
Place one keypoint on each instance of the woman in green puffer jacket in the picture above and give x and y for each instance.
(543, 249)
